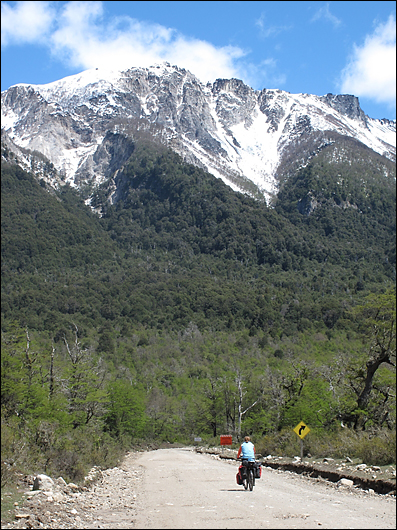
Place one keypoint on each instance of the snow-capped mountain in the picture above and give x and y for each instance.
(86, 124)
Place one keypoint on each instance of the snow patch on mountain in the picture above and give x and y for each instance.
(76, 89)
(236, 133)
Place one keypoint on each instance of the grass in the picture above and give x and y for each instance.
(11, 494)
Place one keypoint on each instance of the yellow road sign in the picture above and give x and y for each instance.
(301, 430)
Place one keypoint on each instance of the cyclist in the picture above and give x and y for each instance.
(247, 453)
(247, 450)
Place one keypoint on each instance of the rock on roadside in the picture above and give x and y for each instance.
(53, 504)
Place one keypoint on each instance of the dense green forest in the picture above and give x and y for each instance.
(182, 309)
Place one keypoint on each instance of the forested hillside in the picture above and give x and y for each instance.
(185, 309)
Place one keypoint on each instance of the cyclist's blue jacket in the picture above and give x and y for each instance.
(247, 451)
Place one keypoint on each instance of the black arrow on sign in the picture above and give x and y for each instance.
(302, 428)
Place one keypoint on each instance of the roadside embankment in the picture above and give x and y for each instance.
(379, 479)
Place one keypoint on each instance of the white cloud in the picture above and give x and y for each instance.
(25, 22)
(83, 41)
(267, 30)
(79, 34)
(266, 71)
(126, 42)
(371, 71)
(325, 13)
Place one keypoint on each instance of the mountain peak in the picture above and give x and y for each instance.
(241, 135)
(346, 104)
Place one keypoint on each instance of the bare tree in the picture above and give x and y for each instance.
(240, 394)
(85, 383)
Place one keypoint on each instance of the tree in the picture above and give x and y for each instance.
(84, 384)
(126, 410)
(378, 321)
(12, 373)
(212, 403)
(241, 393)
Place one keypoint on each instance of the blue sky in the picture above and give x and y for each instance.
(341, 47)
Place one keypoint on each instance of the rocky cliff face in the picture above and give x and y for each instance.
(86, 124)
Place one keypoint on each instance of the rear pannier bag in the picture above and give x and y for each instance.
(239, 479)
(257, 470)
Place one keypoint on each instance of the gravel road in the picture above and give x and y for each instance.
(180, 488)
(183, 489)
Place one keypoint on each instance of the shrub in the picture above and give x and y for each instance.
(372, 448)
(283, 443)
(378, 450)
(14, 451)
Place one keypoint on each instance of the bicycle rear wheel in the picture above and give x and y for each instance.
(245, 481)
(251, 480)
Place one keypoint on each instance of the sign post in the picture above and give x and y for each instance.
(301, 430)
(226, 439)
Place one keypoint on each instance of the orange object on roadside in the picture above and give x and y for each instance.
(226, 439)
